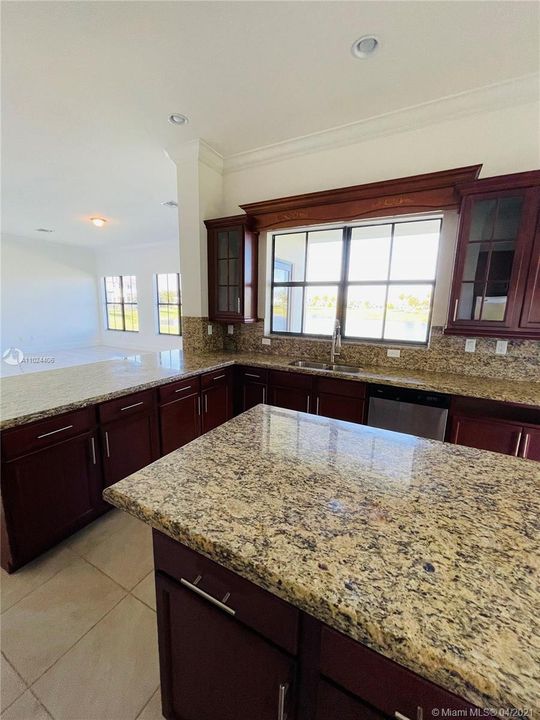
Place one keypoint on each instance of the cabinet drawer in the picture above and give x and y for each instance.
(40, 434)
(258, 609)
(291, 379)
(349, 388)
(178, 390)
(216, 377)
(141, 402)
(380, 682)
(253, 374)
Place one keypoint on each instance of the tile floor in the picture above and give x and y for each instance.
(78, 629)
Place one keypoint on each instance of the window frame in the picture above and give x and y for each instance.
(343, 284)
(122, 303)
(176, 305)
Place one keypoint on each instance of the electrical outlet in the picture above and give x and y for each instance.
(393, 352)
(470, 345)
(501, 347)
(210, 329)
(266, 341)
(230, 329)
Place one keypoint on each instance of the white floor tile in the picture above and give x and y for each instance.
(27, 707)
(146, 590)
(11, 684)
(152, 711)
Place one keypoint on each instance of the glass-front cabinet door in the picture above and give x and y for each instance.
(229, 243)
(492, 263)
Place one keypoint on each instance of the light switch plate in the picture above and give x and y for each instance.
(230, 329)
(393, 352)
(501, 347)
(210, 329)
(266, 341)
(470, 345)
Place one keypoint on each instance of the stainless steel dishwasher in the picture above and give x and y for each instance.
(415, 412)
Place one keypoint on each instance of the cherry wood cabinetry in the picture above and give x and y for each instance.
(230, 650)
(251, 387)
(216, 398)
(232, 269)
(340, 399)
(129, 433)
(496, 289)
(291, 390)
(179, 413)
(51, 484)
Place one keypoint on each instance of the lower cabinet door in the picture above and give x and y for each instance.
(336, 704)
(49, 494)
(291, 398)
(530, 443)
(129, 445)
(496, 435)
(213, 667)
(180, 422)
(340, 407)
(253, 393)
(215, 406)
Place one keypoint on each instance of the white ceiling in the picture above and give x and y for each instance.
(88, 86)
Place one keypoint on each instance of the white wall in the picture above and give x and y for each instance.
(49, 295)
(504, 141)
(144, 262)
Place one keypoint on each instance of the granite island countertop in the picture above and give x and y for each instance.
(35, 396)
(424, 551)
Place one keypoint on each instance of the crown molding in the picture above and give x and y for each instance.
(517, 91)
(197, 150)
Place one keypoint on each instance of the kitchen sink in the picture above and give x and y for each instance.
(312, 365)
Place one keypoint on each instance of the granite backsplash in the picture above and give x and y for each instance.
(445, 353)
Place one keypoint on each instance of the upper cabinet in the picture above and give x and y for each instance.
(232, 270)
(496, 285)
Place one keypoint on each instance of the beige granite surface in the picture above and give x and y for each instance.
(424, 551)
(36, 396)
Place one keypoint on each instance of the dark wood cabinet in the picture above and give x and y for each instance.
(530, 444)
(51, 491)
(129, 434)
(217, 398)
(334, 703)
(486, 434)
(340, 399)
(495, 286)
(252, 387)
(179, 414)
(232, 269)
(291, 390)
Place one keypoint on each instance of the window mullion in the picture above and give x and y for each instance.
(388, 280)
(341, 291)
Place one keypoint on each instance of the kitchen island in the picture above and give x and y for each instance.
(421, 554)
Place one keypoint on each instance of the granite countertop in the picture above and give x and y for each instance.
(35, 396)
(426, 552)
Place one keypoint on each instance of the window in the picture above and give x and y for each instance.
(121, 303)
(168, 298)
(377, 280)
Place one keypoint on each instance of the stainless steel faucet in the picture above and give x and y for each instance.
(336, 342)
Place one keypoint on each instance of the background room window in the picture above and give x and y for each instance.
(121, 303)
(378, 280)
(168, 297)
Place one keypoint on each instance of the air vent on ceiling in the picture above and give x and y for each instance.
(170, 203)
(44, 230)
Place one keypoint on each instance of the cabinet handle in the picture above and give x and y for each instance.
(107, 448)
(199, 405)
(308, 404)
(238, 305)
(53, 432)
(219, 377)
(183, 389)
(419, 714)
(317, 405)
(93, 447)
(518, 443)
(525, 448)
(251, 375)
(128, 407)
(264, 395)
(220, 604)
(455, 310)
(282, 696)
(206, 403)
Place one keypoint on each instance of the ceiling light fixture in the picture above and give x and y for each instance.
(47, 230)
(364, 46)
(170, 203)
(178, 119)
(97, 221)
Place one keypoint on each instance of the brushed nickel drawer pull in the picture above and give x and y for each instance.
(218, 603)
(107, 448)
(526, 442)
(419, 714)
(264, 395)
(199, 405)
(93, 446)
(183, 389)
(53, 432)
(518, 443)
(455, 310)
(219, 377)
(282, 696)
(252, 375)
(308, 404)
(317, 405)
(128, 407)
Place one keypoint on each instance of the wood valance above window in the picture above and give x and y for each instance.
(419, 193)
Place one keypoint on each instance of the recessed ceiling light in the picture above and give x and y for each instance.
(170, 203)
(47, 230)
(178, 119)
(97, 221)
(364, 46)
